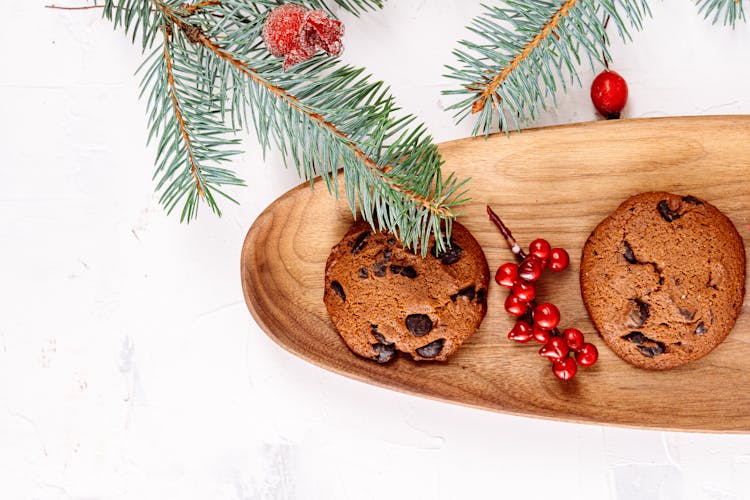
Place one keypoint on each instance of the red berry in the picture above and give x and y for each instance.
(293, 32)
(531, 268)
(609, 93)
(547, 316)
(525, 291)
(515, 306)
(507, 275)
(564, 369)
(587, 355)
(540, 334)
(573, 338)
(540, 248)
(558, 259)
(521, 332)
(555, 348)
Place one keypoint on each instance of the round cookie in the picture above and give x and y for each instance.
(663, 279)
(382, 298)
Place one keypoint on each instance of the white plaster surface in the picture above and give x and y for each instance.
(130, 367)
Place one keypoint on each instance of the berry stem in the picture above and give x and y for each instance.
(512, 244)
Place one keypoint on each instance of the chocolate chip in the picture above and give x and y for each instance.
(432, 349)
(692, 200)
(336, 287)
(378, 269)
(384, 351)
(364, 273)
(377, 334)
(469, 292)
(635, 337)
(387, 255)
(406, 271)
(700, 329)
(651, 351)
(449, 255)
(640, 313)
(628, 253)
(418, 324)
(391, 242)
(667, 213)
(481, 296)
(687, 314)
(360, 242)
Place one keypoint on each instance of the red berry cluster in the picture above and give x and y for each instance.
(540, 321)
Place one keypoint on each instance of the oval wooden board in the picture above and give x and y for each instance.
(556, 183)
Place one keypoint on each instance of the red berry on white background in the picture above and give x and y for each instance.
(547, 316)
(587, 355)
(514, 306)
(521, 332)
(573, 338)
(555, 348)
(531, 268)
(507, 275)
(609, 93)
(558, 259)
(525, 291)
(540, 248)
(564, 369)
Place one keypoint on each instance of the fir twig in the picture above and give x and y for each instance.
(726, 11)
(527, 51)
(211, 68)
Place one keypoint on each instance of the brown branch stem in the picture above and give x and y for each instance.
(509, 239)
(547, 30)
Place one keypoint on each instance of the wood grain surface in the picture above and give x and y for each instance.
(556, 183)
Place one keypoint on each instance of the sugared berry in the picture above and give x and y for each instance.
(555, 348)
(564, 369)
(521, 332)
(540, 248)
(531, 268)
(540, 334)
(507, 275)
(514, 306)
(587, 354)
(525, 291)
(547, 315)
(573, 338)
(558, 259)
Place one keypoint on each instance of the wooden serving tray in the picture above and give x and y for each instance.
(556, 183)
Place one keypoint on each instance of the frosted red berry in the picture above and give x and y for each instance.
(587, 355)
(531, 268)
(558, 259)
(507, 275)
(540, 248)
(609, 93)
(521, 332)
(525, 291)
(573, 338)
(295, 33)
(547, 316)
(564, 369)
(555, 348)
(514, 306)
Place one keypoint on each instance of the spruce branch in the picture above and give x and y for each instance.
(209, 75)
(726, 11)
(528, 51)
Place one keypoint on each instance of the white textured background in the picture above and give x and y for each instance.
(130, 367)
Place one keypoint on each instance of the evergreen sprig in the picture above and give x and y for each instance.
(726, 11)
(209, 74)
(525, 52)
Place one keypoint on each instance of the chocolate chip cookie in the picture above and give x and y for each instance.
(383, 298)
(663, 279)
